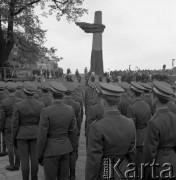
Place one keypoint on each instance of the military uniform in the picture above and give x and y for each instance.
(159, 145)
(77, 110)
(110, 137)
(57, 137)
(7, 107)
(140, 112)
(25, 122)
(3, 96)
(19, 93)
(46, 97)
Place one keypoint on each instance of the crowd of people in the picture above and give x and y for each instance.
(126, 124)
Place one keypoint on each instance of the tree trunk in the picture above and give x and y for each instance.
(5, 52)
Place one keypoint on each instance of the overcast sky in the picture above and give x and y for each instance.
(139, 33)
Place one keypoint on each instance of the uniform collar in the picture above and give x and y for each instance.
(137, 100)
(29, 97)
(162, 110)
(11, 95)
(57, 102)
(112, 113)
(67, 97)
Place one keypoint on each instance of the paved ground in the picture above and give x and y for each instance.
(80, 167)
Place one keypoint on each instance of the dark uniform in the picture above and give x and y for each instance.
(57, 137)
(140, 112)
(19, 93)
(3, 96)
(160, 142)
(77, 110)
(46, 97)
(147, 97)
(7, 107)
(125, 100)
(25, 122)
(110, 137)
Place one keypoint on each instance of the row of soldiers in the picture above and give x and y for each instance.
(41, 123)
(130, 123)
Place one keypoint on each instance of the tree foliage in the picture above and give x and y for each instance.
(20, 26)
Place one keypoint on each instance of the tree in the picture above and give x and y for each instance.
(164, 67)
(21, 27)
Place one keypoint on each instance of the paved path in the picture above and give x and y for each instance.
(80, 166)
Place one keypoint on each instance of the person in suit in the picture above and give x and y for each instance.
(46, 97)
(7, 106)
(25, 120)
(77, 110)
(140, 112)
(3, 96)
(160, 141)
(57, 136)
(111, 138)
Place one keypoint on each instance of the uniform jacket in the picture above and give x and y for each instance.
(172, 106)
(111, 135)
(161, 139)
(95, 112)
(140, 112)
(46, 99)
(148, 99)
(56, 120)
(25, 118)
(19, 94)
(125, 102)
(7, 106)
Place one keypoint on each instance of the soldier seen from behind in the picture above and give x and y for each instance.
(25, 120)
(57, 136)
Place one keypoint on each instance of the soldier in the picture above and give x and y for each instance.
(77, 110)
(7, 106)
(147, 97)
(25, 120)
(125, 100)
(38, 94)
(159, 144)
(95, 111)
(140, 112)
(57, 136)
(46, 97)
(19, 93)
(3, 96)
(111, 137)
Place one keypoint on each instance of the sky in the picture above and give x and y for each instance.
(140, 33)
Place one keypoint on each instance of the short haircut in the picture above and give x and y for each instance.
(68, 93)
(57, 95)
(45, 90)
(28, 94)
(111, 100)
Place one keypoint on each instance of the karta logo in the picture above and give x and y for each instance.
(116, 168)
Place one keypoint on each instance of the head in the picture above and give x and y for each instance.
(110, 102)
(135, 94)
(160, 100)
(57, 96)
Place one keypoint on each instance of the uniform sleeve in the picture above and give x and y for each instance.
(90, 118)
(131, 114)
(94, 153)
(15, 122)
(42, 133)
(2, 117)
(73, 132)
(151, 143)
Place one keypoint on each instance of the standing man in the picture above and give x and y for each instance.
(25, 120)
(7, 106)
(111, 137)
(77, 110)
(57, 136)
(3, 96)
(46, 96)
(160, 142)
(19, 93)
(140, 112)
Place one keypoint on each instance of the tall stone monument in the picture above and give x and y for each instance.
(97, 53)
